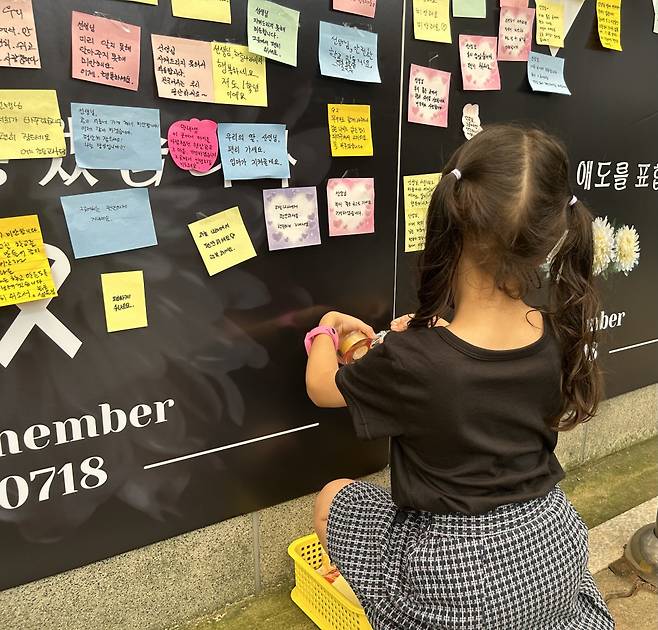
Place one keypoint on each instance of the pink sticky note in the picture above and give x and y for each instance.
(479, 63)
(520, 4)
(515, 33)
(193, 144)
(105, 51)
(351, 205)
(359, 7)
(429, 91)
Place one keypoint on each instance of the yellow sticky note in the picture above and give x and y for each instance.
(222, 240)
(239, 75)
(152, 2)
(608, 16)
(349, 130)
(24, 268)
(209, 10)
(550, 23)
(124, 300)
(432, 20)
(418, 191)
(30, 125)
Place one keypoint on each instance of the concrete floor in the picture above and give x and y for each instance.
(600, 491)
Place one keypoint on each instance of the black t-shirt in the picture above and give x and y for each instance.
(468, 425)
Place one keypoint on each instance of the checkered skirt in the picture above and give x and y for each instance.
(522, 566)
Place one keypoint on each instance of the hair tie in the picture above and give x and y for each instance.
(573, 200)
(457, 173)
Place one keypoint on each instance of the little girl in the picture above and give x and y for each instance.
(475, 534)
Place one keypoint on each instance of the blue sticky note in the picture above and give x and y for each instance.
(348, 53)
(546, 73)
(253, 151)
(115, 137)
(108, 222)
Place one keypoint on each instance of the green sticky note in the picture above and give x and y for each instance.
(469, 8)
(272, 31)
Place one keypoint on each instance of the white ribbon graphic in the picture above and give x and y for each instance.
(37, 314)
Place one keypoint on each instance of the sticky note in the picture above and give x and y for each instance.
(193, 144)
(272, 31)
(239, 75)
(655, 16)
(116, 137)
(348, 53)
(349, 130)
(19, 47)
(522, 4)
(479, 63)
(546, 73)
(253, 151)
(24, 268)
(469, 8)
(291, 217)
(515, 33)
(108, 222)
(222, 240)
(105, 51)
(124, 300)
(351, 205)
(471, 123)
(608, 16)
(550, 23)
(429, 91)
(209, 10)
(183, 68)
(358, 7)
(432, 20)
(31, 125)
(418, 191)
(151, 2)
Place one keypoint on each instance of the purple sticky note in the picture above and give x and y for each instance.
(291, 217)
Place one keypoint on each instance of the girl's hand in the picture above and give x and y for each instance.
(400, 324)
(346, 323)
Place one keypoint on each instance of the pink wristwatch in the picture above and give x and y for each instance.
(320, 330)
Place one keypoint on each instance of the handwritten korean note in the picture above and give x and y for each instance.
(608, 16)
(469, 8)
(429, 91)
(546, 73)
(478, 62)
(183, 68)
(239, 75)
(432, 20)
(358, 7)
(253, 151)
(418, 191)
(550, 23)
(209, 10)
(351, 205)
(31, 125)
(151, 2)
(515, 33)
(471, 123)
(291, 217)
(116, 137)
(18, 35)
(108, 222)
(348, 53)
(193, 144)
(272, 31)
(24, 268)
(222, 240)
(105, 51)
(522, 4)
(349, 130)
(124, 300)
(655, 16)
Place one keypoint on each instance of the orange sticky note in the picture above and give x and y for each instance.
(105, 51)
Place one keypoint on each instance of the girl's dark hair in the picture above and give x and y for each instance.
(510, 207)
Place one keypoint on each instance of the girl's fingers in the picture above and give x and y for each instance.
(401, 323)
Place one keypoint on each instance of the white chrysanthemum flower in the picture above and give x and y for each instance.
(627, 249)
(604, 244)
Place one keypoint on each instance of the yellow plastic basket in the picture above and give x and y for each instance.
(328, 608)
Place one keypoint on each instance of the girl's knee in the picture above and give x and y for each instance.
(326, 496)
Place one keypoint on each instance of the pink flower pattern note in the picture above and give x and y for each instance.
(429, 90)
(358, 7)
(479, 62)
(515, 33)
(351, 205)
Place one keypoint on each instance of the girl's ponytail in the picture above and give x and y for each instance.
(574, 304)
